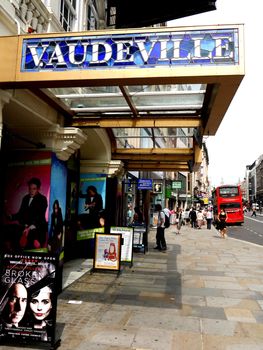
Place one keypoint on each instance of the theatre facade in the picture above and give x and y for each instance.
(106, 109)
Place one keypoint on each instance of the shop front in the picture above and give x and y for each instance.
(106, 104)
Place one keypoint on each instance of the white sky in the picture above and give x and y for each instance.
(239, 139)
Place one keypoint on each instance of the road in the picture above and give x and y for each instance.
(250, 231)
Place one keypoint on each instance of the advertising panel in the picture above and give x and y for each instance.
(26, 198)
(28, 297)
(35, 203)
(139, 237)
(57, 208)
(91, 200)
(158, 187)
(127, 236)
(107, 251)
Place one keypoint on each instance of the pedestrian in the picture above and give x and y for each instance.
(160, 238)
(186, 218)
(193, 217)
(137, 217)
(129, 215)
(200, 219)
(179, 221)
(167, 212)
(222, 217)
(209, 217)
(254, 212)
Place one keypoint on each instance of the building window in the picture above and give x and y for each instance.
(67, 14)
(92, 16)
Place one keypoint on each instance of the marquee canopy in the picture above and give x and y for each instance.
(156, 91)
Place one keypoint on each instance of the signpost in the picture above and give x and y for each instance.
(139, 238)
(145, 184)
(177, 184)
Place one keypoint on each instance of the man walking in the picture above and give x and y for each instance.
(254, 212)
(160, 239)
(209, 218)
(193, 217)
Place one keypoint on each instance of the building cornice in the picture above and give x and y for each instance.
(63, 141)
(111, 168)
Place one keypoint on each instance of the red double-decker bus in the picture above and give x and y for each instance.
(229, 197)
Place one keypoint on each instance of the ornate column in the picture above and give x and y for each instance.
(35, 19)
(33, 14)
(40, 23)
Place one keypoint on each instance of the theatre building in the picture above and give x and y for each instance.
(106, 116)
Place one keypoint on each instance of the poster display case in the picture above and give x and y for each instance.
(127, 242)
(28, 299)
(107, 252)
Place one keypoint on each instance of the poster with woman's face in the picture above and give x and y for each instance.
(28, 297)
(58, 185)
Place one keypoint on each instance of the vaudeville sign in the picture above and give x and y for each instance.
(169, 48)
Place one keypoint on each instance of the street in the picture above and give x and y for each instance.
(250, 231)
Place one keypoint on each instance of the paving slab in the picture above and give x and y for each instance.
(203, 293)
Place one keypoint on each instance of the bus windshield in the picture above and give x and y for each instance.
(227, 192)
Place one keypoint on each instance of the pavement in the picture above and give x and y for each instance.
(203, 293)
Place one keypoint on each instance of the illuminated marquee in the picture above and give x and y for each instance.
(202, 47)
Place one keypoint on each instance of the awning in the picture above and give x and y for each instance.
(142, 121)
(156, 91)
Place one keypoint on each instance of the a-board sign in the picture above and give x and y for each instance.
(127, 236)
(107, 251)
(28, 298)
(138, 236)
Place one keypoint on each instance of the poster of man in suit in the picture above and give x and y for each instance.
(24, 223)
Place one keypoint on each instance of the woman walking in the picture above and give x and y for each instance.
(222, 217)
(179, 220)
(200, 219)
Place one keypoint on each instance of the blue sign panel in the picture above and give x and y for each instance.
(145, 184)
(171, 48)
